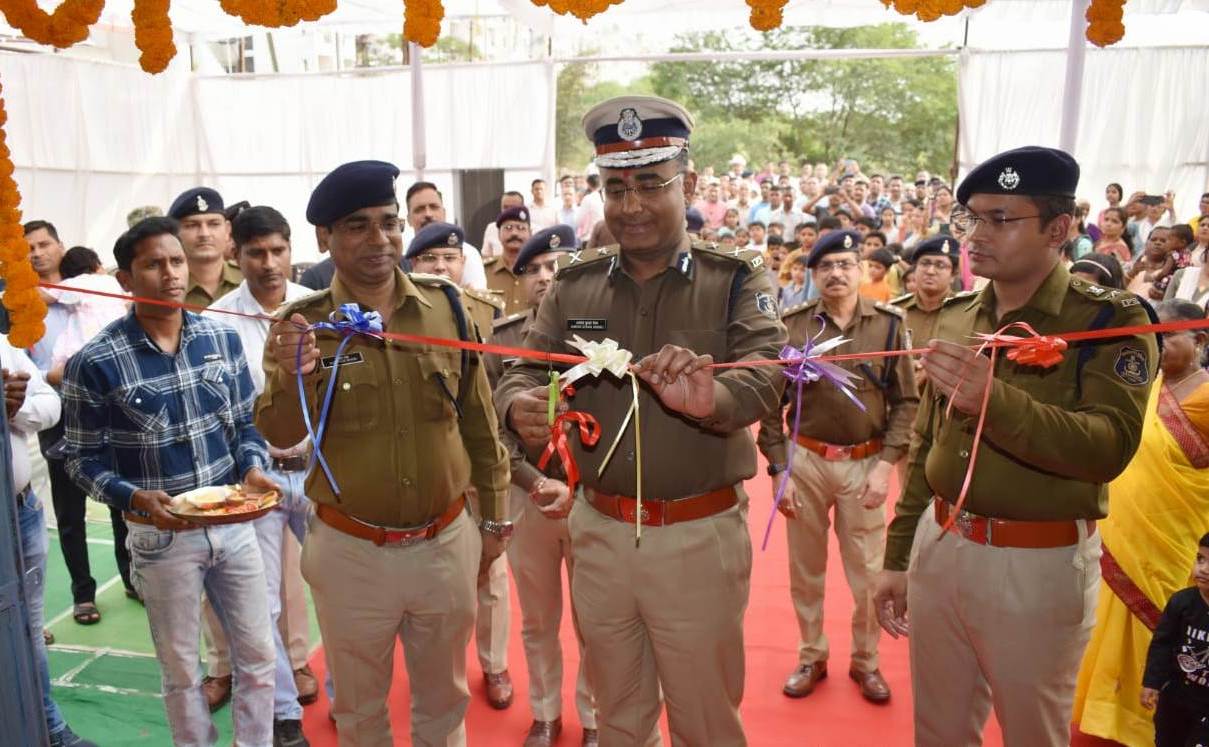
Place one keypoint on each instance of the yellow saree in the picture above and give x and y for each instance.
(1158, 510)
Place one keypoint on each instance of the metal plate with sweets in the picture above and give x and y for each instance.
(223, 504)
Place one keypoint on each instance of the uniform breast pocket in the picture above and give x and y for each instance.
(356, 398)
(144, 408)
(701, 341)
(440, 379)
(214, 395)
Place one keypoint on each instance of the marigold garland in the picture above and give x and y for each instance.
(422, 21)
(1105, 22)
(27, 310)
(153, 34)
(931, 10)
(766, 14)
(581, 9)
(277, 13)
(66, 26)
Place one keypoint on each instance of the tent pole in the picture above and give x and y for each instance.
(550, 167)
(419, 148)
(1072, 92)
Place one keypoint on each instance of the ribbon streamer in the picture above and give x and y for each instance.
(602, 356)
(589, 434)
(348, 321)
(804, 366)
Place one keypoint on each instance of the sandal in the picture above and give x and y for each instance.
(86, 613)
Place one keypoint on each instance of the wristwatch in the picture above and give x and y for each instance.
(775, 469)
(501, 529)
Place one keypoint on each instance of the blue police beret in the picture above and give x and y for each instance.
(512, 213)
(1030, 171)
(435, 235)
(836, 241)
(944, 245)
(694, 220)
(195, 202)
(350, 187)
(556, 238)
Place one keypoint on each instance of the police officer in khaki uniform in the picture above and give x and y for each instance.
(541, 544)
(842, 460)
(205, 237)
(935, 263)
(392, 552)
(1002, 605)
(677, 306)
(437, 250)
(513, 225)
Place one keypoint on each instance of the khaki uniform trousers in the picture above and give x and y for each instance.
(494, 612)
(294, 624)
(824, 486)
(367, 596)
(997, 626)
(539, 548)
(670, 613)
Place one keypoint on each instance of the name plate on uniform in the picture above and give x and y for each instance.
(345, 359)
(587, 325)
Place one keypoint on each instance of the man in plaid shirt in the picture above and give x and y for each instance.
(160, 402)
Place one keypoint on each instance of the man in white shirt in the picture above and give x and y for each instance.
(591, 209)
(31, 405)
(492, 246)
(785, 214)
(425, 204)
(568, 214)
(541, 215)
(262, 248)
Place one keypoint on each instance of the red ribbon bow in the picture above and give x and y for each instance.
(1043, 351)
(589, 434)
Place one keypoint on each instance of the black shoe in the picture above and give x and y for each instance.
(68, 738)
(288, 733)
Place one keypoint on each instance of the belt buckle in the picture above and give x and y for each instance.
(405, 537)
(965, 524)
(630, 514)
(833, 453)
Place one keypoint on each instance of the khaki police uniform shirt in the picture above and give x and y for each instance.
(707, 300)
(483, 308)
(921, 323)
(396, 447)
(196, 295)
(510, 331)
(501, 280)
(885, 386)
(1053, 438)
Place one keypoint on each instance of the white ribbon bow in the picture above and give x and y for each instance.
(602, 356)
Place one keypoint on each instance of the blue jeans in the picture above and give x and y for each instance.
(270, 529)
(32, 524)
(170, 570)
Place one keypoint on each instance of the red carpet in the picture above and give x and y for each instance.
(834, 714)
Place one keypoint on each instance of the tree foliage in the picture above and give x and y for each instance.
(890, 114)
(578, 91)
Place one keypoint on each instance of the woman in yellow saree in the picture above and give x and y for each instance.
(1158, 508)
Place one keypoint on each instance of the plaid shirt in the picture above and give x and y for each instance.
(137, 418)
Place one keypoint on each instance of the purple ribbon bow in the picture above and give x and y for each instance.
(802, 368)
(348, 321)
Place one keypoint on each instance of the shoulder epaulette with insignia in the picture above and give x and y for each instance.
(583, 257)
(491, 260)
(491, 298)
(508, 321)
(902, 299)
(959, 296)
(889, 309)
(301, 302)
(798, 308)
(1091, 290)
(423, 278)
(753, 258)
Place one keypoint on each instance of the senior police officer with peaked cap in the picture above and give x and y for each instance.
(1002, 604)
(391, 550)
(677, 305)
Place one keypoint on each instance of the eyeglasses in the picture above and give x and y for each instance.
(535, 267)
(642, 191)
(843, 265)
(360, 227)
(434, 258)
(967, 220)
(940, 265)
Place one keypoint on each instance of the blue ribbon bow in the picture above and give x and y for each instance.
(348, 321)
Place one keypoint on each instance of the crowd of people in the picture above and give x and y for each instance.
(428, 482)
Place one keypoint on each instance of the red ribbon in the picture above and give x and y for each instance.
(589, 434)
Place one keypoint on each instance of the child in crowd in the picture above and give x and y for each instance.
(1177, 664)
(798, 287)
(1179, 241)
(1113, 240)
(1149, 275)
(876, 266)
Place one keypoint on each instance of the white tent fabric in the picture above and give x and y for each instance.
(90, 141)
(1153, 139)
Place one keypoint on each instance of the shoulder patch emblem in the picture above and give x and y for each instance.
(1131, 366)
(1130, 301)
(766, 305)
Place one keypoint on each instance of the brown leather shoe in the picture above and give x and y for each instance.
(306, 684)
(591, 738)
(544, 733)
(217, 691)
(873, 685)
(803, 679)
(499, 690)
